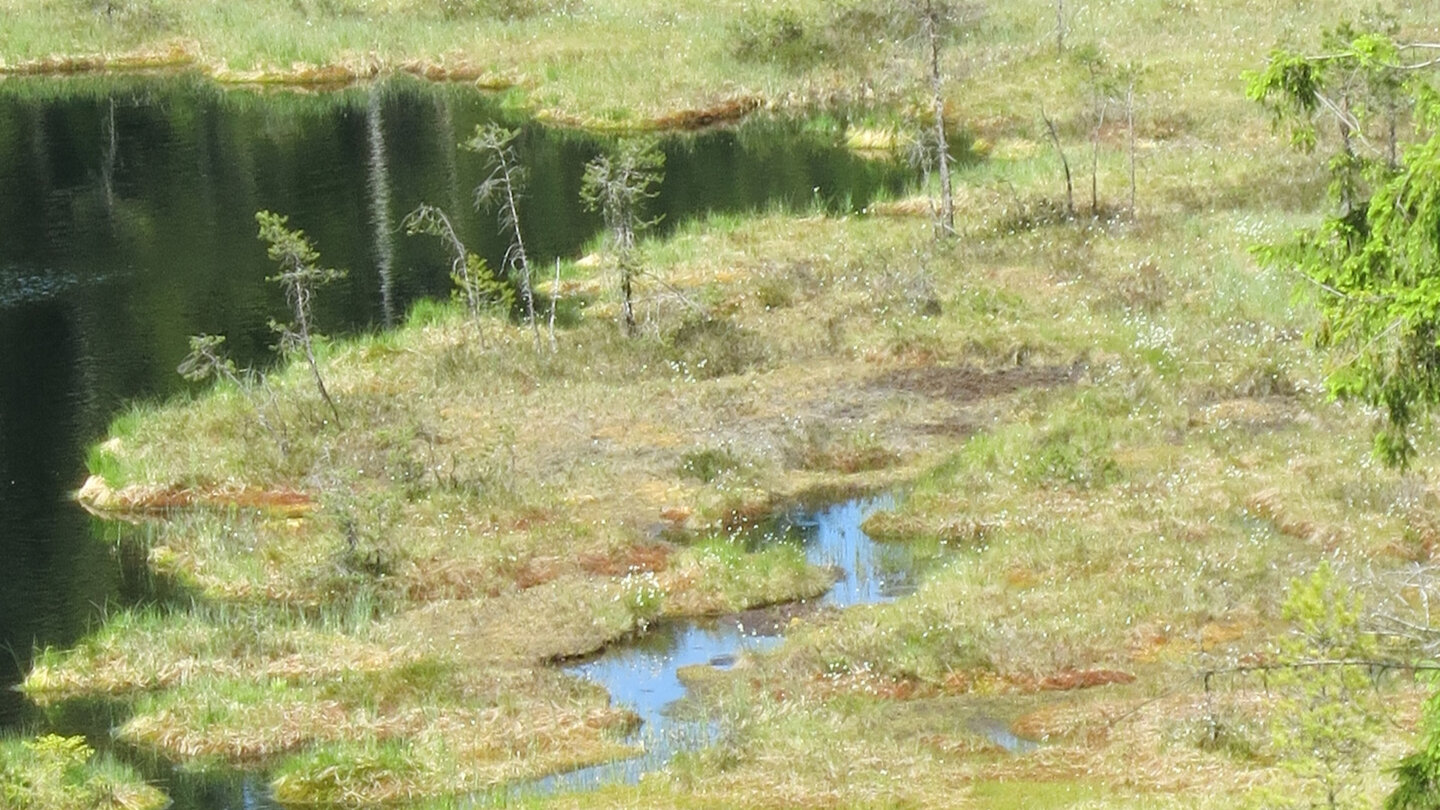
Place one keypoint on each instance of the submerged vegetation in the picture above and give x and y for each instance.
(1141, 519)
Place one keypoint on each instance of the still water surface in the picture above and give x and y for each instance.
(646, 674)
(126, 225)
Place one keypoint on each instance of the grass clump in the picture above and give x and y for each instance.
(720, 576)
(703, 347)
(706, 466)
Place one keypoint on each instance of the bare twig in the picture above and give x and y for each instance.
(1064, 163)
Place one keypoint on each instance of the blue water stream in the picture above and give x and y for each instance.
(644, 676)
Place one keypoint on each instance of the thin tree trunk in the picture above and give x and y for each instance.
(1130, 129)
(627, 304)
(1064, 163)
(554, 298)
(1349, 149)
(947, 193)
(1393, 156)
(626, 247)
(1059, 28)
(302, 313)
(1095, 164)
(521, 259)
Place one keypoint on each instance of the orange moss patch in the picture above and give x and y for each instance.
(725, 112)
(1083, 679)
(746, 514)
(984, 681)
(460, 71)
(1153, 641)
(98, 497)
(300, 75)
(652, 557)
(1064, 721)
(537, 571)
(729, 111)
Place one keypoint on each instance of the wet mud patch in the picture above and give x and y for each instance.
(972, 383)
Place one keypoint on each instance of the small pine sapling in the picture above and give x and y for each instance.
(207, 360)
(1328, 710)
(618, 185)
(300, 275)
(474, 283)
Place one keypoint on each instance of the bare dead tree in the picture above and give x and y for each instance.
(1064, 164)
(931, 23)
(503, 188)
(431, 220)
(937, 101)
(1101, 80)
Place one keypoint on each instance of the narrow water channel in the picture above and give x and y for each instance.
(644, 675)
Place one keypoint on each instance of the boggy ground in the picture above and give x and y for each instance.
(1114, 486)
(1111, 437)
(491, 506)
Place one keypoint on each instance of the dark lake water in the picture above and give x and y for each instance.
(127, 225)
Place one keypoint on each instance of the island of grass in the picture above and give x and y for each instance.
(1110, 437)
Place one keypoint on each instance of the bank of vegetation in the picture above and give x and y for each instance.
(1147, 525)
(63, 773)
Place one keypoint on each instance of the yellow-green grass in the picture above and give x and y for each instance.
(1110, 503)
(1112, 439)
(629, 62)
(1113, 503)
(63, 773)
